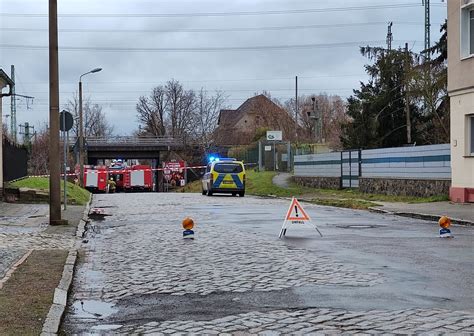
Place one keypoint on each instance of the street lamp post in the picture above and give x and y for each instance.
(81, 129)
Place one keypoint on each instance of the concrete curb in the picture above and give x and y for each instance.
(428, 217)
(53, 319)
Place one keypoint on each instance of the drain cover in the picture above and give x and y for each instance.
(356, 226)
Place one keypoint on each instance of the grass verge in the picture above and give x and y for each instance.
(27, 296)
(261, 184)
(74, 192)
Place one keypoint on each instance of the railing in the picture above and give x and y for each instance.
(133, 140)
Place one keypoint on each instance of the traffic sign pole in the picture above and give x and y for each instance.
(65, 162)
(66, 123)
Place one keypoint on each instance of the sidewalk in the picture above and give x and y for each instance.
(458, 213)
(33, 260)
(282, 180)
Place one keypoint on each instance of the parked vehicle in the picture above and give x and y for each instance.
(138, 177)
(95, 178)
(224, 176)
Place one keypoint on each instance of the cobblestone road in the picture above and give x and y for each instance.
(320, 322)
(22, 228)
(8, 257)
(138, 254)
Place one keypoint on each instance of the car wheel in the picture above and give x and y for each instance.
(234, 194)
(242, 193)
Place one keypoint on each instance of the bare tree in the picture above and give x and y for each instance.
(151, 112)
(173, 111)
(180, 106)
(38, 161)
(95, 121)
(206, 115)
(333, 113)
(5, 131)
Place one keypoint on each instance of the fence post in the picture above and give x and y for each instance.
(288, 152)
(342, 172)
(350, 169)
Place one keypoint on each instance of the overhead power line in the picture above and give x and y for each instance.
(235, 13)
(199, 49)
(204, 80)
(207, 30)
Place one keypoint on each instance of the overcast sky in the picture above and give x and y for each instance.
(143, 43)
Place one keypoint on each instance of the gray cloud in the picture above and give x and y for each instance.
(127, 75)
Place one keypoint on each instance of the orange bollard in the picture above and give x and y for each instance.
(444, 222)
(188, 224)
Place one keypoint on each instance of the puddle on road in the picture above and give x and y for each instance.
(92, 309)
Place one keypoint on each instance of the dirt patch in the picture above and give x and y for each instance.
(27, 296)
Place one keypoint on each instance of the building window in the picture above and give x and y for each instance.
(470, 123)
(471, 32)
(467, 30)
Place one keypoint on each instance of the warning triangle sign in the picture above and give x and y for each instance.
(296, 215)
(296, 212)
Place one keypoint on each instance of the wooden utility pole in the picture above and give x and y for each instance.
(407, 101)
(54, 162)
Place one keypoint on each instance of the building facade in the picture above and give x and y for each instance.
(461, 93)
(251, 120)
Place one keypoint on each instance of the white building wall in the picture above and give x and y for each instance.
(462, 162)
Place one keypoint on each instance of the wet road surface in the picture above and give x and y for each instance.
(369, 273)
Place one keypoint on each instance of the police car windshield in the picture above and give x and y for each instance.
(228, 168)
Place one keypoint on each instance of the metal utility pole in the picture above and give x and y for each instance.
(427, 28)
(296, 109)
(315, 118)
(13, 107)
(27, 135)
(407, 102)
(389, 36)
(54, 162)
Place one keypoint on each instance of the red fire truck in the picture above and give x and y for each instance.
(95, 178)
(138, 177)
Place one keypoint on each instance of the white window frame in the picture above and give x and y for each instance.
(470, 134)
(465, 30)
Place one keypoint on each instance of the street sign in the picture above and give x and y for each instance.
(274, 135)
(296, 216)
(65, 121)
(268, 148)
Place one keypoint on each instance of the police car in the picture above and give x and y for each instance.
(224, 175)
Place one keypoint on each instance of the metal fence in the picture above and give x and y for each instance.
(15, 161)
(432, 162)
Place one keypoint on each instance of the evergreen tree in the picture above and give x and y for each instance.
(429, 84)
(378, 108)
(397, 78)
